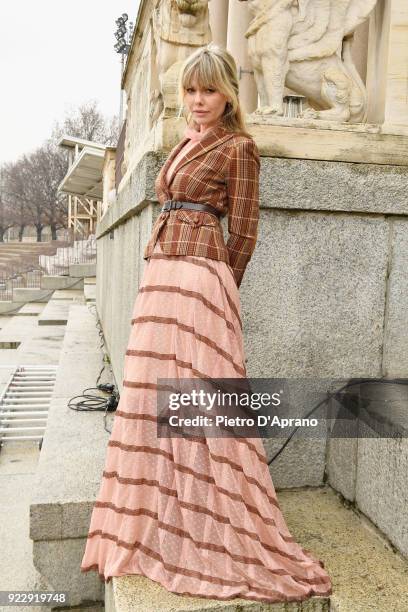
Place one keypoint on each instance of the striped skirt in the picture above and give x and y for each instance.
(199, 517)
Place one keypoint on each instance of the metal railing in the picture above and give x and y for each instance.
(79, 252)
(25, 270)
(24, 403)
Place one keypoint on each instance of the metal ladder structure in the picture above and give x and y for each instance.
(24, 403)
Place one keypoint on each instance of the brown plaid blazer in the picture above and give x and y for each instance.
(221, 170)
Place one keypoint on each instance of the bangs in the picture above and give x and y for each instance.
(212, 67)
(204, 73)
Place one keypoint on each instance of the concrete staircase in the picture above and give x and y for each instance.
(24, 403)
(49, 283)
(41, 345)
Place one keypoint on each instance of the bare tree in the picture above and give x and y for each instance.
(47, 206)
(29, 187)
(87, 122)
(24, 184)
(14, 197)
(6, 215)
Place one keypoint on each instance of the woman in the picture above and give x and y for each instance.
(199, 516)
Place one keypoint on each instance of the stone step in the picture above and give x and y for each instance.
(18, 463)
(72, 457)
(367, 572)
(90, 293)
(61, 282)
(55, 313)
(76, 295)
(32, 309)
(82, 270)
(6, 306)
(29, 294)
(139, 594)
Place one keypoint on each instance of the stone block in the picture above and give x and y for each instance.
(27, 294)
(60, 282)
(59, 561)
(82, 270)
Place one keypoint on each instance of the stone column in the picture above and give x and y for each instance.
(238, 22)
(387, 72)
(218, 10)
(359, 49)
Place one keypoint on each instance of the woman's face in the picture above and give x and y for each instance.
(206, 105)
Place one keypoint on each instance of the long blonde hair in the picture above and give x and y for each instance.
(213, 66)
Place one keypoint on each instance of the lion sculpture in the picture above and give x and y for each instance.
(179, 27)
(305, 45)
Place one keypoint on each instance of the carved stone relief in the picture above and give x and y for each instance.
(179, 27)
(305, 45)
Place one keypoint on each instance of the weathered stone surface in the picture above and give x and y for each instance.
(333, 186)
(381, 487)
(396, 317)
(314, 295)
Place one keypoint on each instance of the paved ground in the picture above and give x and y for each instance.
(39, 344)
(18, 460)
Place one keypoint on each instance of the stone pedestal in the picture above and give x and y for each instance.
(327, 140)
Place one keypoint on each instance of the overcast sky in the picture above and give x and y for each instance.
(55, 54)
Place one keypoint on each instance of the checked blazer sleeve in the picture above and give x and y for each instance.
(243, 205)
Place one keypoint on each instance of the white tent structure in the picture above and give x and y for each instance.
(83, 183)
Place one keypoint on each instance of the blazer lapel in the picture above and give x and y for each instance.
(211, 139)
(169, 160)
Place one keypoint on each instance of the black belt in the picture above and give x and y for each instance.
(175, 204)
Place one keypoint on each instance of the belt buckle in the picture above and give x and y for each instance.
(173, 205)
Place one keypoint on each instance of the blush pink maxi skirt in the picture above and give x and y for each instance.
(200, 518)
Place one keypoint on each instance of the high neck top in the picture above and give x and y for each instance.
(193, 134)
(196, 135)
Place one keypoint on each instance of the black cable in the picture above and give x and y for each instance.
(398, 381)
(91, 402)
(96, 403)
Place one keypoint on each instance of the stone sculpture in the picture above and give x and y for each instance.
(306, 45)
(179, 27)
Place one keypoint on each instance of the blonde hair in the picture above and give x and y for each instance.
(213, 66)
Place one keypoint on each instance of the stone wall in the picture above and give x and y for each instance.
(324, 296)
